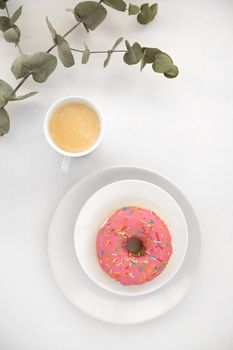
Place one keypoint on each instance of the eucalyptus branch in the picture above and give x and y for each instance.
(7, 11)
(106, 51)
(11, 30)
(64, 35)
(20, 84)
(17, 44)
(50, 49)
(40, 65)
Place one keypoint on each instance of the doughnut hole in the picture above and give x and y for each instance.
(135, 246)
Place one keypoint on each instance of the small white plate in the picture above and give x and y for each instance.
(86, 295)
(104, 203)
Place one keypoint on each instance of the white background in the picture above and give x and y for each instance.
(182, 128)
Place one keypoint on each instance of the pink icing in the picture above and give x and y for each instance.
(111, 242)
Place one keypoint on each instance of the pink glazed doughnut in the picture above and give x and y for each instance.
(133, 246)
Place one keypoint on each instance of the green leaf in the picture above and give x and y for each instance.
(149, 55)
(64, 52)
(144, 16)
(19, 66)
(162, 63)
(12, 35)
(51, 29)
(129, 57)
(2, 4)
(39, 64)
(133, 54)
(42, 64)
(16, 15)
(118, 41)
(63, 47)
(4, 23)
(147, 13)
(133, 10)
(154, 11)
(22, 97)
(3, 101)
(106, 62)
(90, 13)
(85, 55)
(137, 50)
(5, 89)
(172, 72)
(109, 54)
(4, 122)
(118, 5)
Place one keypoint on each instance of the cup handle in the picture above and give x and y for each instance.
(65, 164)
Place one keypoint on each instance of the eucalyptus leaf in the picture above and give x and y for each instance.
(147, 13)
(134, 53)
(85, 26)
(3, 101)
(144, 16)
(5, 89)
(133, 9)
(118, 41)
(51, 29)
(4, 23)
(172, 72)
(16, 15)
(149, 55)
(162, 63)
(12, 35)
(118, 5)
(106, 62)
(22, 97)
(2, 4)
(129, 57)
(64, 52)
(109, 53)
(42, 64)
(39, 64)
(85, 55)
(4, 122)
(90, 13)
(19, 67)
(154, 11)
(137, 50)
(143, 63)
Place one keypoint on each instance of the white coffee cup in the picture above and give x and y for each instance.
(68, 155)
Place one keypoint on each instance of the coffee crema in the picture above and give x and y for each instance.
(74, 127)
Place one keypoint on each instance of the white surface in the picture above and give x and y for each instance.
(182, 128)
(87, 296)
(102, 204)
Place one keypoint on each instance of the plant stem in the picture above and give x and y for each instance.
(67, 33)
(50, 49)
(7, 11)
(8, 15)
(19, 48)
(20, 84)
(105, 51)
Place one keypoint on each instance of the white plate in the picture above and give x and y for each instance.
(105, 202)
(85, 294)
